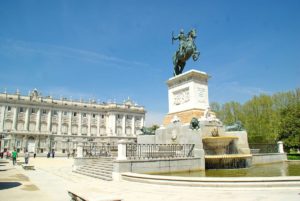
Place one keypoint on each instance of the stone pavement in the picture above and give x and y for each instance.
(53, 177)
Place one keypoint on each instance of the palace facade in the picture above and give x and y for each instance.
(42, 124)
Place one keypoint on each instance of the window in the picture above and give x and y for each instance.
(21, 109)
(74, 114)
(65, 113)
(94, 115)
(84, 114)
(55, 112)
(32, 110)
(44, 111)
(8, 108)
(102, 116)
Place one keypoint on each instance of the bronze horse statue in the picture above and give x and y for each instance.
(186, 50)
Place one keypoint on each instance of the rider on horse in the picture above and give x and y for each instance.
(182, 40)
(187, 49)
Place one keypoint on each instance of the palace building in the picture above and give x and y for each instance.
(42, 124)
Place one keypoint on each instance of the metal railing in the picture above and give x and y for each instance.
(153, 151)
(263, 148)
(100, 150)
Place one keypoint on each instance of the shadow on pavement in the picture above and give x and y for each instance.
(7, 185)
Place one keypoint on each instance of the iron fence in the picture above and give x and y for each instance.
(263, 148)
(152, 151)
(100, 150)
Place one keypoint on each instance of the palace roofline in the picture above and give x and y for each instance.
(35, 97)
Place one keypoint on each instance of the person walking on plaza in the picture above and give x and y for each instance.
(14, 156)
(26, 157)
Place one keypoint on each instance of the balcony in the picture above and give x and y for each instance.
(32, 117)
(9, 115)
(93, 121)
(74, 120)
(84, 121)
(44, 118)
(21, 116)
(54, 119)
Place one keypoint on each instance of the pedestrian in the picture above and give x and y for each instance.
(26, 156)
(34, 155)
(14, 156)
(53, 153)
(48, 154)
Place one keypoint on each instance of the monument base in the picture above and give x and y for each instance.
(184, 116)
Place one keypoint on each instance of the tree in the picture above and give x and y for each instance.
(289, 130)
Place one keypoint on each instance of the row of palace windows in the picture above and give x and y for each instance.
(33, 111)
(65, 113)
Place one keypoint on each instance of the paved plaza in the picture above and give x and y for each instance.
(52, 178)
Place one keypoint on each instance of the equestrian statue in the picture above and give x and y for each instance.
(187, 49)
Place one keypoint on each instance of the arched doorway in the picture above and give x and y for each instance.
(31, 144)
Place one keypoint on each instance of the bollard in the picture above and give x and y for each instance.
(280, 147)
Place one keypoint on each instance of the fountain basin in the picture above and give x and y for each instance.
(227, 161)
(218, 144)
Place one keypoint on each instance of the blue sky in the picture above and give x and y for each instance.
(111, 50)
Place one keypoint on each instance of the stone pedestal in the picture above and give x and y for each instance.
(79, 150)
(188, 96)
(122, 150)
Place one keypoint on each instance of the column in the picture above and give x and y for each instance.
(111, 127)
(27, 119)
(124, 125)
(59, 123)
(133, 126)
(2, 117)
(142, 121)
(79, 123)
(49, 122)
(70, 124)
(14, 126)
(38, 120)
(98, 124)
(89, 124)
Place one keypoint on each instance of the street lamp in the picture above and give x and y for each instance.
(90, 140)
(1, 137)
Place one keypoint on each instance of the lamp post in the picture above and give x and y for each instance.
(90, 140)
(1, 137)
(51, 138)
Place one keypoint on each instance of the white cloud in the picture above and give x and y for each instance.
(16, 47)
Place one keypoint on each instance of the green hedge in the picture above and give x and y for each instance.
(293, 156)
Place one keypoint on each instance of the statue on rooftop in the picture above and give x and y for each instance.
(187, 49)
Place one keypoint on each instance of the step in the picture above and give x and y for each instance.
(103, 177)
(94, 171)
(98, 166)
(97, 169)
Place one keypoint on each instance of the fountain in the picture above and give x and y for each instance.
(218, 145)
(190, 121)
(221, 151)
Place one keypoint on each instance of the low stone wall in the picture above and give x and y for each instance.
(157, 165)
(215, 182)
(265, 158)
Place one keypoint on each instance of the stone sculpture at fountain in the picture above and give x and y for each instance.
(190, 121)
